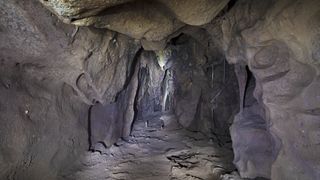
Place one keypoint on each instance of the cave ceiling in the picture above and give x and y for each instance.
(143, 19)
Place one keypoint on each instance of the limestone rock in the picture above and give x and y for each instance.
(276, 41)
(67, 89)
(50, 73)
(152, 20)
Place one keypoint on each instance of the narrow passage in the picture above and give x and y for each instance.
(159, 149)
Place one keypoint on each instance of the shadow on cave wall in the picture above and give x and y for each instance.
(252, 143)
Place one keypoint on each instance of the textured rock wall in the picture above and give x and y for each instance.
(109, 122)
(49, 75)
(149, 101)
(278, 41)
(43, 125)
(151, 20)
(206, 88)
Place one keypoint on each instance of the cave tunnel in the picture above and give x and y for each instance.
(163, 89)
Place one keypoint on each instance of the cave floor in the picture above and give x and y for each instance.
(156, 151)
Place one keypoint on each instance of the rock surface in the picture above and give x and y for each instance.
(150, 20)
(206, 94)
(157, 152)
(276, 40)
(66, 89)
(49, 75)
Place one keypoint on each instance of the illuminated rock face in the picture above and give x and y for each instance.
(150, 20)
(50, 74)
(67, 89)
(188, 11)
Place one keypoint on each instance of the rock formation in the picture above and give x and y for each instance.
(277, 41)
(78, 75)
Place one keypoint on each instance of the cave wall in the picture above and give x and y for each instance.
(50, 74)
(43, 125)
(279, 42)
(150, 97)
(206, 94)
(53, 76)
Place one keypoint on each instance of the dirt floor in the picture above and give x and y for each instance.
(159, 149)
